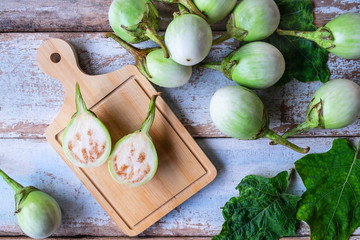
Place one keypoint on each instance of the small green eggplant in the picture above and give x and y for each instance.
(252, 20)
(159, 70)
(38, 214)
(256, 65)
(340, 36)
(336, 104)
(136, 21)
(239, 113)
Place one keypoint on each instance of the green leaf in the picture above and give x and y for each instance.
(330, 204)
(305, 60)
(262, 211)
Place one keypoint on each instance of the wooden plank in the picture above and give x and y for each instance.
(31, 100)
(82, 15)
(82, 215)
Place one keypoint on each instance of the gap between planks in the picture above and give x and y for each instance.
(57, 15)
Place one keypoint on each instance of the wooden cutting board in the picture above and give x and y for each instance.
(120, 99)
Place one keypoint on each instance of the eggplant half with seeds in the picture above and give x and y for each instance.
(133, 160)
(86, 141)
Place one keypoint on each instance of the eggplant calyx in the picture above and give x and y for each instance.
(80, 104)
(231, 32)
(267, 133)
(138, 54)
(315, 114)
(280, 140)
(322, 36)
(264, 128)
(20, 192)
(226, 66)
(212, 65)
(147, 28)
(21, 196)
(182, 11)
(189, 4)
(145, 127)
(314, 119)
(79, 101)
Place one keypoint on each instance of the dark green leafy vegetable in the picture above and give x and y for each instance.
(305, 60)
(262, 211)
(330, 204)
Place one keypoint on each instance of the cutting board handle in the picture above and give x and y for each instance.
(58, 59)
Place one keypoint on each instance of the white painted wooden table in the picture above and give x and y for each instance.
(30, 100)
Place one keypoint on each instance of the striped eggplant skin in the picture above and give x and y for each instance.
(260, 18)
(259, 65)
(40, 215)
(346, 33)
(215, 10)
(340, 101)
(237, 112)
(165, 72)
(127, 13)
(188, 39)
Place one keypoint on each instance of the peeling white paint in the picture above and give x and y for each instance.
(234, 159)
(30, 98)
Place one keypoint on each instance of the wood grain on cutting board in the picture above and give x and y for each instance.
(120, 99)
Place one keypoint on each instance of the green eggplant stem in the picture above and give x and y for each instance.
(212, 65)
(232, 31)
(278, 139)
(151, 33)
(145, 127)
(138, 54)
(358, 151)
(322, 36)
(222, 38)
(135, 52)
(296, 130)
(131, 49)
(189, 4)
(11, 182)
(182, 8)
(80, 103)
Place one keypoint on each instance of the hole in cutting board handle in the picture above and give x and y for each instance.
(55, 57)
